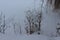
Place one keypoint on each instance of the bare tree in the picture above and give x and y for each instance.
(38, 20)
(2, 23)
(15, 26)
(58, 29)
(33, 21)
(29, 17)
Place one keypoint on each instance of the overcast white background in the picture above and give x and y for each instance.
(17, 8)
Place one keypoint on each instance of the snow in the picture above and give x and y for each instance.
(11, 35)
(23, 37)
(49, 24)
(50, 19)
(57, 38)
(26, 37)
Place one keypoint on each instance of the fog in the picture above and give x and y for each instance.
(14, 7)
(17, 8)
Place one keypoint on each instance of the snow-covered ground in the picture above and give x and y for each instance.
(23, 37)
(49, 22)
(27, 37)
(57, 38)
(10, 35)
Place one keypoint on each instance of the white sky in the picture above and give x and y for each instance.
(16, 8)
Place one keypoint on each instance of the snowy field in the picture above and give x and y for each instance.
(23, 37)
(26, 37)
(10, 35)
(17, 8)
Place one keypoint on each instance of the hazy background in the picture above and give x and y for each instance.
(17, 8)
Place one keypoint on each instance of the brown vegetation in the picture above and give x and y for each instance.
(56, 3)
